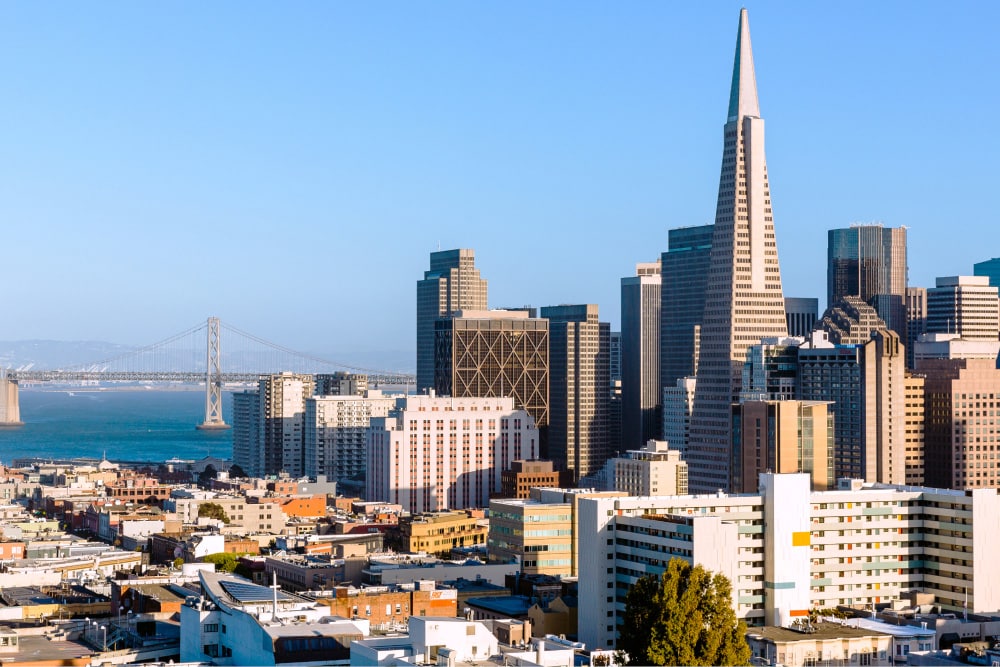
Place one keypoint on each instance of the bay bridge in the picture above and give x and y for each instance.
(192, 356)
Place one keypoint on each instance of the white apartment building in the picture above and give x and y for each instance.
(677, 403)
(437, 453)
(788, 550)
(336, 430)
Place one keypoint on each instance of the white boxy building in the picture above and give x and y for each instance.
(431, 640)
(787, 550)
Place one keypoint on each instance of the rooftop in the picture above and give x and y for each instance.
(823, 631)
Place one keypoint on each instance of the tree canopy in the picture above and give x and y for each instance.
(683, 617)
(224, 562)
(213, 511)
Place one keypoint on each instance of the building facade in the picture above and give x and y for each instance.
(336, 430)
(640, 353)
(678, 401)
(965, 305)
(452, 283)
(989, 268)
(437, 453)
(654, 470)
(494, 353)
(916, 319)
(579, 381)
(869, 261)
(801, 315)
(684, 276)
(537, 535)
(743, 299)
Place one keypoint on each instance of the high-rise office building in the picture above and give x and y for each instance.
(451, 284)
(801, 315)
(341, 384)
(743, 299)
(866, 386)
(964, 305)
(246, 433)
(579, 378)
(771, 370)
(641, 395)
(990, 268)
(850, 321)
(914, 429)
(782, 436)
(494, 353)
(869, 261)
(916, 319)
(678, 401)
(615, 360)
(683, 277)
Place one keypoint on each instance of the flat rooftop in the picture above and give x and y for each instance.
(822, 631)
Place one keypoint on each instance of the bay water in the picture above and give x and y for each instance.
(133, 425)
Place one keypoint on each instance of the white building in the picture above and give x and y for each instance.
(965, 305)
(336, 429)
(431, 640)
(437, 453)
(236, 622)
(787, 550)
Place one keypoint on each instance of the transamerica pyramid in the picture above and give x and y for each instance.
(743, 299)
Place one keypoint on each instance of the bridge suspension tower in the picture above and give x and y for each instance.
(213, 380)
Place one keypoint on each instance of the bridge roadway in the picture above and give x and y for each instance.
(172, 376)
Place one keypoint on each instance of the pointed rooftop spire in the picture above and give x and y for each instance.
(743, 93)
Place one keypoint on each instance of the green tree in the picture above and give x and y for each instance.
(236, 471)
(224, 562)
(213, 511)
(683, 617)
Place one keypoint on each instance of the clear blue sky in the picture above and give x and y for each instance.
(289, 166)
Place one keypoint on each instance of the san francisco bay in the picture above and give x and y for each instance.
(135, 425)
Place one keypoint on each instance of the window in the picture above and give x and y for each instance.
(211, 627)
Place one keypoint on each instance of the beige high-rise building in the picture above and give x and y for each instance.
(452, 283)
(916, 319)
(640, 363)
(494, 353)
(962, 429)
(782, 436)
(654, 470)
(743, 301)
(850, 321)
(914, 429)
(579, 389)
(279, 444)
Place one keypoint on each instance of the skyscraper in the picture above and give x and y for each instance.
(965, 305)
(869, 261)
(989, 268)
(743, 300)
(641, 395)
(579, 377)
(801, 315)
(683, 276)
(451, 284)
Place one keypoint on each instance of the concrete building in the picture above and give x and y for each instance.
(452, 283)
(962, 431)
(743, 298)
(950, 346)
(247, 432)
(916, 319)
(495, 353)
(432, 640)
(770, 372)
(654, 470)
(684, 277)
(336, 430)
(518, 480)
(801, 315)
(989, 268)
(782, 436)
(806, 643)
(869, 262)
(789, 550)
(236, 622)
(640, 351)
(914, 424)
(10, 405)
(965, 305)
(850, 321)
(268, 425)
(436, 453)
(438, 533)
(537, 536)
(866, 385)
(341, 383)
(579, 378)
(678, 401)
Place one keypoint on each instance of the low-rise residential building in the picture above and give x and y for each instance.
(431, 639)
(807, 643)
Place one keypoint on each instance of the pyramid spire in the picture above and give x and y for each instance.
(743, 92)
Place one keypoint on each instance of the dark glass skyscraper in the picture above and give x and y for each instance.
(869, 261)
(683, 274)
